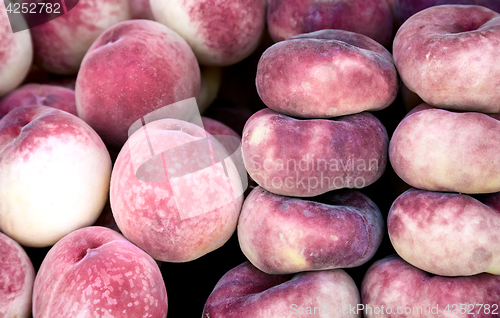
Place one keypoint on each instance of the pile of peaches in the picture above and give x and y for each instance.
(254, 158)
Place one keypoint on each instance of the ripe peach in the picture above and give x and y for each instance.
(96, 272)
(16, 279)
(54, 175)
(39, 95)
(132, 69)
(282, 235)
(60, 44)
(325, 74)
(220, 32)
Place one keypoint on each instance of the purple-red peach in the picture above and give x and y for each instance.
(446, 234)
(308, 157)
(393, 288)
(287, 18)
(325, 74)
(246, 292)
(39, 95)
(282, 235)
(96, 272)
(448, 55)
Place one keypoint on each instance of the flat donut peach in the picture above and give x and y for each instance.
(448, 55)
(440, 150)
(447, 234)
(283, 235)
(325, 74)
(308, 157)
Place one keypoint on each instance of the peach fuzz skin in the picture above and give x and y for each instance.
(287, 18)
(403, 9)
(16, 54)
(60, 44)
(246, 292)
(439, 150)
(54, 175)
(392, 282)
(283, 235)
(448, 55)
(308, 157)
(220, 32)
(16, 279)
(39, 95)
(446, 234)
(326, 74)
(96, 272)
(132, 69)
(149, 214)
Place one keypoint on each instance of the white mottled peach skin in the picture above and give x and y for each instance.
(393, 283)
(287, 18)
(325, 74)
(153, 215)
(16, 279)
(54, 175)
(446, 234)
(220, 32)
(246, 292)
(60, 44)
(96, 272)
(308, 157)
(283, 235)
(448, 55)
(440, 150)
(16, 54)
(39, 95)
(132, 69)
(403, 9)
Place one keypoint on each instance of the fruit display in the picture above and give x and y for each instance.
(249, 158)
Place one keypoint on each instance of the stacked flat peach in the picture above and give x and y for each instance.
(316, 137)
(448, 150)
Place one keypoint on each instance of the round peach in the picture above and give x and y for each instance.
(16, 279)
(54, 175)
(40, 95)
(220, 32)
(180, 201)
(448, 55)
(325, 74)
(282, 235)
(372, 18)
(305, 158)
(439, 150)
(96, 272)
(132, 69)
(60, 44)
(16, 54)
